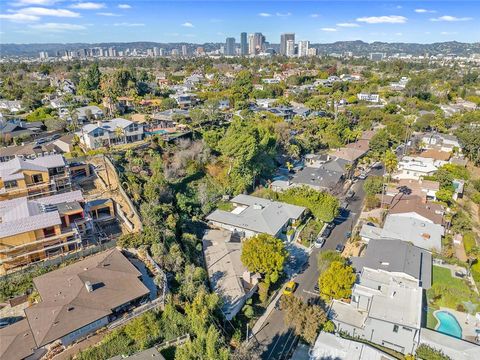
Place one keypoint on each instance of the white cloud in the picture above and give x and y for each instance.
(108, 14)
(264, 14)
(329, 29)
(390, 19)
(33, 2)
(314, 15)
(127, 24)
(448, 33)
(399, 34)
(124, 6)
(39, 11)
(424, 11)
(19, 17)
(450, 18)
(283, 14)
(348, 25)
(88, 6)
(188, 24)
(58, 27)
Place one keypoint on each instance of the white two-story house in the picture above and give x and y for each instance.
(415, 168)
(385, 308)
(107, 133)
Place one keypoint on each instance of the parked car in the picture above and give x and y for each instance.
(350, 194)
(326, 233)
(290, 288)
(316, 289)
(319, 242)
(340, 248)
(362, 176)
(41, 141)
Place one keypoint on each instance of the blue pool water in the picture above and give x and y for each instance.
(157, 132)
(448, 324)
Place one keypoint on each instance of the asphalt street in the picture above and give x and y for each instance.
(277, 338)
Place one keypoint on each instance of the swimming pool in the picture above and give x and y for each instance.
(448, 324)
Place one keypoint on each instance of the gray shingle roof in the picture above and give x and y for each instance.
(22, 215)
(67, 305)
(397, 256)
(260, 215)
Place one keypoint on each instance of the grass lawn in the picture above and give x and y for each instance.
(225, 205)
(431, 320)
(448, 291)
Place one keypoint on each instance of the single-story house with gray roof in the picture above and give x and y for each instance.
(253, 215)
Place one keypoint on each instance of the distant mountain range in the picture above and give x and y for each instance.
(356, 47)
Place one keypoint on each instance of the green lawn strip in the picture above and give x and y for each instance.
(448, 291)
(431, 320)
(469, 241)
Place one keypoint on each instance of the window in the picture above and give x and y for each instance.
(395, 328)
(10, 184)
(406, 328)
(37, 178)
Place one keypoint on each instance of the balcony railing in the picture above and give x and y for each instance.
(64, 234)
(56, 246)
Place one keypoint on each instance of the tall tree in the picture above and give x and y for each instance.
(337, 281)
(264, 254)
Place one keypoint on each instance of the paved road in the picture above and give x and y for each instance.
(275, 336)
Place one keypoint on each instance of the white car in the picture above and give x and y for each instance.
(319, 242)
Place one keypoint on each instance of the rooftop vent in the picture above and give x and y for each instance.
(88, 286)
(257, 206)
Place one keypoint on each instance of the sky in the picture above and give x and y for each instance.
(199, 21)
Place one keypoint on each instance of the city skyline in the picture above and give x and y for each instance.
(46, 21)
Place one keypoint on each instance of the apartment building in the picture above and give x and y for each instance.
(32, 230)
(33, 177)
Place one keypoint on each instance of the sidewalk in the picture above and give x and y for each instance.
(261, 320)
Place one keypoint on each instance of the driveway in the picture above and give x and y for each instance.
(277, 338)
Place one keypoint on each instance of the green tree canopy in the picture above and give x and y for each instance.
(323, 205)
(264, 254)
(306, 320)
(337, 281)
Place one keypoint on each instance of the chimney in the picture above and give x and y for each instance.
(99, 123)
(89, 286)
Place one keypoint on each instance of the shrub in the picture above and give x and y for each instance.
(248, 311)
(428, 353)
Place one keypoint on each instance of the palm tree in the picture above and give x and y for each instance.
(391, 162)
(119, 133)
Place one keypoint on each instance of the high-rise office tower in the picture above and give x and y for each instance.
(243, 44)
(43, 55)
(184, 50)
(303, 48)
(290, 51)
(251, 44)
(256, 43)
(283, 42)
(230, 46)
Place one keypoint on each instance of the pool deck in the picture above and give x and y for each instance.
(468, 323)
